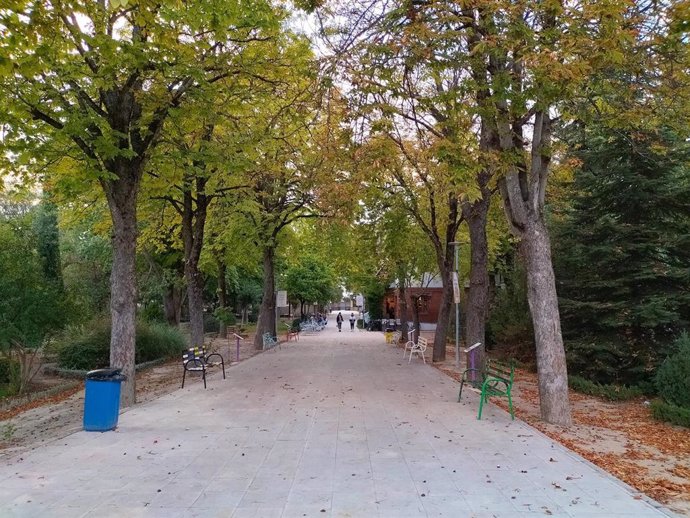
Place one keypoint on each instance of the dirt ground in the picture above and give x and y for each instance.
(620, 437)
(32, 424)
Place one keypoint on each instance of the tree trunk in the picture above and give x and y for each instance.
(172, 304)
(267, 313)
(415, 315)
(121, 195)
(193, 226)
(402, 297)
(478, 296)
(543, 303)
(222, 296)
(443, 319)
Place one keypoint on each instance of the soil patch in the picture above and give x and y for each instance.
(39, 421)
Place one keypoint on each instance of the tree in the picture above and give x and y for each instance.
(31, 305)
(310, 281)
(96, 82)
(624, 247)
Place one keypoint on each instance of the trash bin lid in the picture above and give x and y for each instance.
(106, 375)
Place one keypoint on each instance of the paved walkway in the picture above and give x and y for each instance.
(335, 425)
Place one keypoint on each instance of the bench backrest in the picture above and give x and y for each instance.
(194, 353)
(502, 370)
(268, 339)
(422, 342)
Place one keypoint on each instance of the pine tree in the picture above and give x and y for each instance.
(624, 252)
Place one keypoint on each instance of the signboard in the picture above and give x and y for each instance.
(359, 300)
(281, 299)
(456, 288)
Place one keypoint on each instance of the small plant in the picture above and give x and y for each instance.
(8, 432)
(673, 376)
(609, 392)
(670, 413)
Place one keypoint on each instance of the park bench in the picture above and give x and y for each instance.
(270, 341)
(496, 379)
(196, 359)
(418, 348)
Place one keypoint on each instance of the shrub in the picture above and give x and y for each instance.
(8, 369)
(295, 324)
(610, 392)
(510, 321)
(88, 347)
(671, 413)
(211, 323)
(673, 376)
(225, 315)
(608, 360)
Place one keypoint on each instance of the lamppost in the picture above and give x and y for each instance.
(456, 295)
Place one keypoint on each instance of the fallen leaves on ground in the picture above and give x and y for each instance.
(620, 437)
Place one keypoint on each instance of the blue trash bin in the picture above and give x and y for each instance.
(102, 399)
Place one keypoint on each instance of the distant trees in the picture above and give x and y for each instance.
(311, 281)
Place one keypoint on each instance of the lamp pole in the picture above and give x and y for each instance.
(456, 282)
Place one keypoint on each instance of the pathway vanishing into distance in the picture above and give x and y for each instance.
(335, 425)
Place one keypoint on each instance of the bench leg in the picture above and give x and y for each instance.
(222, 364)
(460, 393)
(184, 373)
(481, 405)
(203, 375)
(510, 406)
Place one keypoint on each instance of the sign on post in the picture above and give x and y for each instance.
(281, 299)
(456, 288)
(359, 300)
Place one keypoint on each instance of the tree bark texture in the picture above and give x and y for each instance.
(543, 304)
(172, 304)
(523, 192)
(476, 311)
(443, 320)
(121, 195)
(267, 312)
(194, 210)
(222, 297)
(404, 317)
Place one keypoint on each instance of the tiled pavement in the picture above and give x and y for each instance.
(335, 425)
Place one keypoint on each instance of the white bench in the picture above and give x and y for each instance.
(418, 348)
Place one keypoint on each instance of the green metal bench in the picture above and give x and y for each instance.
(496, 380)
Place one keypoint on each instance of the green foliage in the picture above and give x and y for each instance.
(673, 376)
(671, 413)
(211, 323)
(88, 347)
(294, 326)
(622, 250)
(608, 360)
(311, 281)
(9, 376)
(30, 305)
(509, 317)
(609, 392)
(225, 315)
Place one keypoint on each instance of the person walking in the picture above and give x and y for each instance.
(352, 322)
(339, 320)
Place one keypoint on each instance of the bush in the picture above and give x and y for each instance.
(608, 360)
(9, 368)
(510, 320)
(225, 315)
(211, 323)
(295, 324)
(673, 376)
(88, 347)
(670, 413)
(610, 392)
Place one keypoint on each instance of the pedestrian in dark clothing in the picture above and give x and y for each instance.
(352, 322)
(339, 320)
